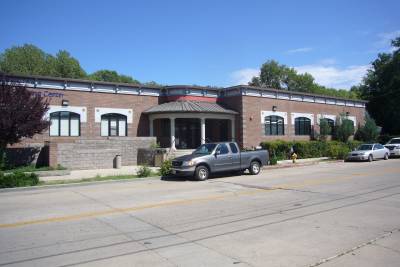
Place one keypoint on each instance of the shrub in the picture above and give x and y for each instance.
(273, 161)
(369, 132)
(144, 171)
(309, 149)
(166, 168)
(18, 179)
(344, 129)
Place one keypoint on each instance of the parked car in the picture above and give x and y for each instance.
(369, 152)
(394, 146)
(219, 157)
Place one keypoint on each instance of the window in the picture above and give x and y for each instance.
(113, 124)
(331, 124)
(302, 126)
(233, 148)
(274, 125)
(223, 149)
(65, 123)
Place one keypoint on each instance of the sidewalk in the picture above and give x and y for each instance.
(82, 174)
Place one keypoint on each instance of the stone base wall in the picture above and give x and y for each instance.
(98, 154)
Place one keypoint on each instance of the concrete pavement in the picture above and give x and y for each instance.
(337, 214)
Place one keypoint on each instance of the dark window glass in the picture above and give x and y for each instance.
(113, 124)
(233, 148)
(302, 126)
(65, 123)
(274, 125)
(331, 124)
(223, 149)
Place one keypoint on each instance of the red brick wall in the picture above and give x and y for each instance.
(90, 100)
(252, 131)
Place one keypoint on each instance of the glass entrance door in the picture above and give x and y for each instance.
(187, 133)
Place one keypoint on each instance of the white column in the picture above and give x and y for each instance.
(172, 120)
(233, 129)
(151, 127)
(203, 130)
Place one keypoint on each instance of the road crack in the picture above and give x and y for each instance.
(351, 250)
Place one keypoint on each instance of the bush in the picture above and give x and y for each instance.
(369, 132)
(18, 179)
(309, 149)
(273, 161)
(144, 171)
(166, 168)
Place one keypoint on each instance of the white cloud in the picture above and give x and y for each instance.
(299, 50)
(385, 38)
(333, 76)
(384, 42)
(243, 76)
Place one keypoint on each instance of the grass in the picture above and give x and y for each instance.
(96, 179)
(33, 168)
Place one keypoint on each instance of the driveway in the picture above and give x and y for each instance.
(333, 214)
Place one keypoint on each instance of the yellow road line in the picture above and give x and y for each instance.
(129, 209)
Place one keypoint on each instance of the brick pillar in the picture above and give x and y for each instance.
(53, 152)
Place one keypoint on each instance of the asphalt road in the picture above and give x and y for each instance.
(334, 214)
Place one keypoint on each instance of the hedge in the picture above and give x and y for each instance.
(309, 149)
(18, 179)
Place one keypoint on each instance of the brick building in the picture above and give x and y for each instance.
(91, 120)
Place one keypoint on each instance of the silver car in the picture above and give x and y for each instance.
(369, 152)
(394, 146)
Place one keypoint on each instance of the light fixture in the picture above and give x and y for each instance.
(65, 103)
(274, 108)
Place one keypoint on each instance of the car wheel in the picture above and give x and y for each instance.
(201, 173)
(386, 156)
(370, 158)
(254, 167)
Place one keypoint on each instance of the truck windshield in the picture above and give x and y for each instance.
(395, 141)
(205, 149)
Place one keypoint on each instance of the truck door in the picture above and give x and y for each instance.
(235, 156)
(223, 159)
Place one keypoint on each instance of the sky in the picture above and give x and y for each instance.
(217, 43)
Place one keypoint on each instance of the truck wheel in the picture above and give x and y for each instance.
(201, 173)
(254, 167)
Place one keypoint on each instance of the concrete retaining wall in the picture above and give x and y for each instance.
(98, 154)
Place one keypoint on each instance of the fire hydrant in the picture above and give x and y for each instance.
(294, 157)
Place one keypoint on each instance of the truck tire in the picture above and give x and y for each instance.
(254, 167)
(201, 173)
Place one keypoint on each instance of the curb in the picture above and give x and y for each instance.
(294, 165)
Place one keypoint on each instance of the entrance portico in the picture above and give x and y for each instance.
(186, 128)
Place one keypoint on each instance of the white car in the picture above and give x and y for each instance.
(394, 146)
(369, 152)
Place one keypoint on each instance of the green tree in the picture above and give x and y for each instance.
(25, 60)
(64, 65)
(381, 87)
(277, 76)
(369, 132)
(112, 76)
(324, 129)
(344, 128)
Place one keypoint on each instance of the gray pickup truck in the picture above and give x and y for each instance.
(219, 157)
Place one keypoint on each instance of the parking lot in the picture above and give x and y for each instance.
(331, 214)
